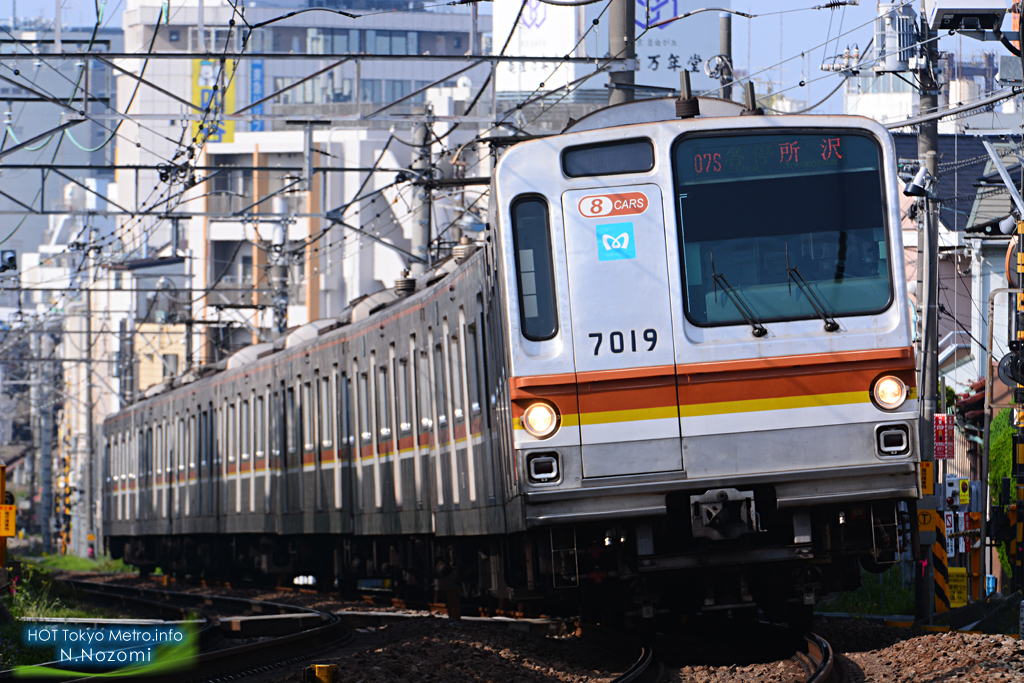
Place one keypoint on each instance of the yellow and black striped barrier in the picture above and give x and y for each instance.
(940, 568)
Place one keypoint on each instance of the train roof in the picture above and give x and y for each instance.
(360, 314)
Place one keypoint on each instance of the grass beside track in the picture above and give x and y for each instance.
(38, 594)
(879, 594)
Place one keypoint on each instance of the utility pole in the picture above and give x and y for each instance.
(725, 48)
(46, 442)
(279, 267)
(188, 313)
(36, 462)
(126, 361)
(621, 44)
(474, 31)
(927, 297)
(90, 440)
(421, 139)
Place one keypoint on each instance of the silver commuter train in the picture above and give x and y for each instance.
(676, 375)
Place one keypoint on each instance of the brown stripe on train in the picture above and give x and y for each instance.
(735, 380)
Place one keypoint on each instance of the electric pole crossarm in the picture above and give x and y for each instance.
(242, 212)
(37, 138)
(22, 204)
(379, 240)
(953, 111)
(1005, 175)
(154, 86)
(414, 93)
(89, 189)
(290, 86)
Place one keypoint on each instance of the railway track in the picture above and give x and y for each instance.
(821, 655)
(220, 661)
(818, 664)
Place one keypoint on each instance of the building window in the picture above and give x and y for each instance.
(396, 90)
(371, 90)
(392, 42)
(174, 36)
(170, 363)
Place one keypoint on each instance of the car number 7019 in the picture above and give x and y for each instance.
(617, 340)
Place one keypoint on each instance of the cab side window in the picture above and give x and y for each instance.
(535, 273)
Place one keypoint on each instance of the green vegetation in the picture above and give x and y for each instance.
(74, 563)
(951, 397)
(36, 594)
(880, 594)
(999, 462)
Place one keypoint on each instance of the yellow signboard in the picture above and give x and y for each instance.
(957, 586)
(213, 87)
(965, 492)
(7, 520)
(927, 478)
(926, 520)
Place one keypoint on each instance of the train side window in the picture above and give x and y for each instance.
(420, 371)
(308, 413)
(191, 442)
(158, 449)
(259, 431)
(326, 413)
(439, 383)
(344, 431)
(535, 273)
(289, 420)
(232, 435)
(383, 403)
(455, 374)
(246, 435)
(472, 369)
(276, 438)
(147, 462)
(608, 158)
(365, 437)
(276, 446)
(402, 396)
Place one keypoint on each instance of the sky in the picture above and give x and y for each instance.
(787, 42)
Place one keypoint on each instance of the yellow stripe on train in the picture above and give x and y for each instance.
(781, 403)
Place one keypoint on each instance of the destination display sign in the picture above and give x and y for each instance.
(735, 157)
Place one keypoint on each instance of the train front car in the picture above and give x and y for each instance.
(711, 376)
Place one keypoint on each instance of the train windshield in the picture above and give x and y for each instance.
(782, 227)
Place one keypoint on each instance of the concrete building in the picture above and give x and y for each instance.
(24, 183)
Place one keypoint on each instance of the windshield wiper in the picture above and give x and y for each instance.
(748, 315)
(792, 274)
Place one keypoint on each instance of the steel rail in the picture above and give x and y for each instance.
(822, 655)
(639, 668)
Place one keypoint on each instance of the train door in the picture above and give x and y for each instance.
(622, 330)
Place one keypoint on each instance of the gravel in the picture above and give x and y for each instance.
(873, 652)
(432, 649)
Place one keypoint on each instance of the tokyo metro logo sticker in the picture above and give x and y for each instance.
(615, 242)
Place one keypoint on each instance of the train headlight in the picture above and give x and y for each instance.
(540, 420)
(890, 392)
